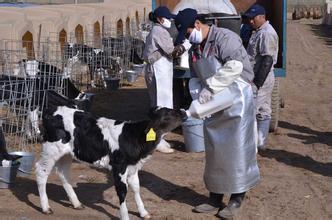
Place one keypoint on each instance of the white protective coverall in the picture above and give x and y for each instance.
(159, 70)
(263, 41)
(230, 134)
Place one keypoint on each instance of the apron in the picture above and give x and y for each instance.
(230, 137)
(159, 80)
(230, 144)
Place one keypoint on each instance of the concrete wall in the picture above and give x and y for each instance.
(48, 20)
(306, 2)
(53, 1)
(293, 3)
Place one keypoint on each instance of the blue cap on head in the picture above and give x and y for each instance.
(254, 11)
(163, 12)
(183, 20)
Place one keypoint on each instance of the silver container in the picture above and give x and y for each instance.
(138, 68)
(27, 162)
(8, 175)
(131, 76)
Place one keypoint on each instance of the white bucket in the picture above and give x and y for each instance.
(193, 134)
(27, 162)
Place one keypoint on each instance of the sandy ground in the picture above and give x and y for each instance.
(296, 169)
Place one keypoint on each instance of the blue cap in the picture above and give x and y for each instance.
(183, 20)
(254, 11)
(163, 12)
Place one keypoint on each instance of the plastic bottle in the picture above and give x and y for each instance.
(218, 102)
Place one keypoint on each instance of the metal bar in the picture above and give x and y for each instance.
(154, 4)
(223, 18)
(284, 47)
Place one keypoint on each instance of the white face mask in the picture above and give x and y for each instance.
(196, 36)
(166, 23)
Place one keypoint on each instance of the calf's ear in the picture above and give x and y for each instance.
(153, 110)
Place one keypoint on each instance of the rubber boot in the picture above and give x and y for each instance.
(212, 205)
(164, 147)
(233, 207)
(263, 131)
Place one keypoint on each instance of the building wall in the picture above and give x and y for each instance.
(53, 1)
(46, 21)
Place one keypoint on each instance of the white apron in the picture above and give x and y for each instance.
(159, 80)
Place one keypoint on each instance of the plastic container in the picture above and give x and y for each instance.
(112, 83)
(26, 161)
(218, 102)
(131, 76)
(193, 134)
(183, 62)
(8, 175)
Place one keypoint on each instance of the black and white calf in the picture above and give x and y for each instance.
(100, 62)
(122, 147)
(28, 90)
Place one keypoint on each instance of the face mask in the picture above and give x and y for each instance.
(196, 36)
(166, 23)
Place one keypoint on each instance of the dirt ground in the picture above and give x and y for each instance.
(296, 169)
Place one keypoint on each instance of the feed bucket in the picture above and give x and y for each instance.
(138, 68)
(8, 175)
(193, 134)
(131, 76)
(26, 161)
(112, 83)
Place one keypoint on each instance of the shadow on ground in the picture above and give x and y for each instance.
(56, 193)
(158, 186)
(297, 160)
(309, 136)
(323, 31)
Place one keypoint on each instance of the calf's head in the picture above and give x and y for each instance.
(165, 120)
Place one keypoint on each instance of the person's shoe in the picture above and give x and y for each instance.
(230, 210)
(233, 206)
(212, 205)
(164, 147)
(207, 208)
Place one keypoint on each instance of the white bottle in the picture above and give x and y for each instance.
(218, 102)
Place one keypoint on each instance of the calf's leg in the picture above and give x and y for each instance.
(120, 181)
(63, 170)
(51, 153)
(133, 182)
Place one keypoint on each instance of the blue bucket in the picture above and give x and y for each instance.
(112, 83)
(193, 134)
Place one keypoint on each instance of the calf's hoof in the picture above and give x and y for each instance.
(49, 211)
(147, 216)
(80, 207)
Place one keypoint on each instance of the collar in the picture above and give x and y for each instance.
(210, 39)
(263, 25)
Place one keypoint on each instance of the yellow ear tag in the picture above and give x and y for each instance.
(151, 135)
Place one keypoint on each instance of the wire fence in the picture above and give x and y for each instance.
(29, 69)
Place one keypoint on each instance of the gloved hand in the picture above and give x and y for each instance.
(186, 44)
(178, 51)
(204, 96)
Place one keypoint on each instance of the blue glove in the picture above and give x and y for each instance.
(204, 96)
